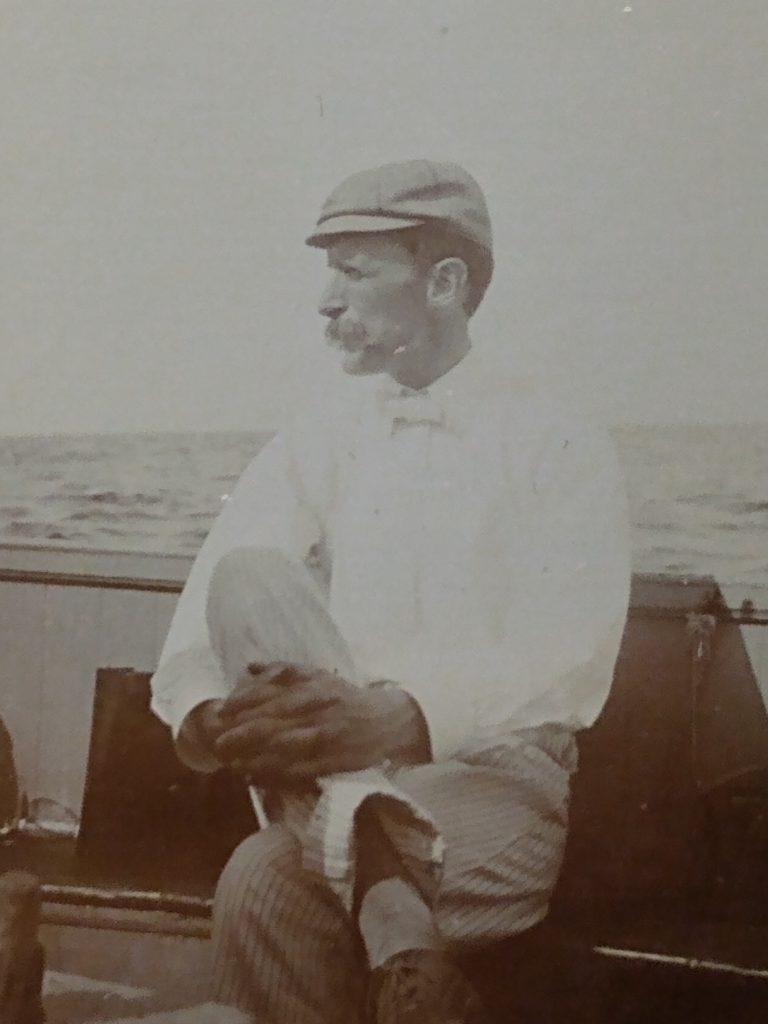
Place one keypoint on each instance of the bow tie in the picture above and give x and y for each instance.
(406, 408)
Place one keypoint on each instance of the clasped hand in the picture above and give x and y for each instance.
(285, 724)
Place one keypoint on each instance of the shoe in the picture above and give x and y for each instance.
(22, 959)
(422, 986)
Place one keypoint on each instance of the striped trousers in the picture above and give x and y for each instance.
(285, 948)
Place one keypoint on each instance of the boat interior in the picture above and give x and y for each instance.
(661, 913)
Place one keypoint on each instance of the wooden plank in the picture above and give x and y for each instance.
(127, 920)
(22, 610)
(67, 562)
(70, 651)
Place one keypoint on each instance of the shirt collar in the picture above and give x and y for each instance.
(440, 405)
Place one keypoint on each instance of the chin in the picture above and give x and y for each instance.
(362, 363)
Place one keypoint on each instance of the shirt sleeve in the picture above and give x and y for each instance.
(552, 596)
(268, 507)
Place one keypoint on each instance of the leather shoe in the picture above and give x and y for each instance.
(422, 986)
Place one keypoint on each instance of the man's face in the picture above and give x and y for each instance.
(375, 302)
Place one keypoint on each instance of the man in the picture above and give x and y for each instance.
(407, 723)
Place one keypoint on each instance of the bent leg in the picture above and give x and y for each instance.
(265, 607)
(503, 819)
(504, 823)
(284, 949)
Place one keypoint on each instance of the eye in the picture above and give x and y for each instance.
(353, 273)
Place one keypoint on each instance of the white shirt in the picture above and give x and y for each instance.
(478, 551)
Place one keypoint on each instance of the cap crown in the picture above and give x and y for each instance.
(400, 195)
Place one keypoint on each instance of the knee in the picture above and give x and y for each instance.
(256, 863)
(244, 572)
(240, 576)
(245, 563)
(237, 567)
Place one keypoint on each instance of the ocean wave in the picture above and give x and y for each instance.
(698, 498)
(15, 511)
(193, 536)
(104, 514)
(750, 507)
(36, 530)
(122, 498)
(662, 549)
(76, 455)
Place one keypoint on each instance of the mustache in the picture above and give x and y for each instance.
(346, 333)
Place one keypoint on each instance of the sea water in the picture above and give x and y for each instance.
(698, 495)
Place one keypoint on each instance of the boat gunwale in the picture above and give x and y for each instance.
(745, 613)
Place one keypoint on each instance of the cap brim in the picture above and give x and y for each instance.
(357, 224)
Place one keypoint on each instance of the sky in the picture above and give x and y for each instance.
(161, 162)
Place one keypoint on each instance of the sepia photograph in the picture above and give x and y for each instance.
(384, 512)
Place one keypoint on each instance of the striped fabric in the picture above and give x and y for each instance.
(329, 839)
(286, 949)
(481, 837)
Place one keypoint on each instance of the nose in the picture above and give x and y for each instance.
(332, 301)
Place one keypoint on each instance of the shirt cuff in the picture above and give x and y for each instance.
(182, 683)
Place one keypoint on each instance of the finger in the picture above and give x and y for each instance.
(301, 701)
(248, 738)
(288, 709)
(260, 770)
(252, 692)
(315, 768)
(269, 672)
(252, 671)
(285, 740)
(297, 744)
(271, 723)
(286, 673)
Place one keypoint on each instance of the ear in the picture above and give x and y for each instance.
(447, 282)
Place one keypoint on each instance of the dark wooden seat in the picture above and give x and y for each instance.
(661, 911)
(146, 818)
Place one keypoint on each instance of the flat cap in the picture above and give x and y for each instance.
(404, 195)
